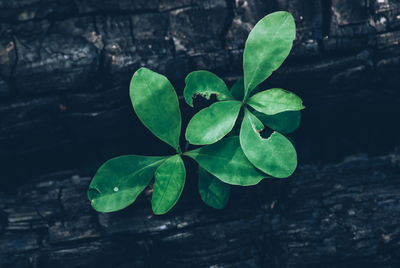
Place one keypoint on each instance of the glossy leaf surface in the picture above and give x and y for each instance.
(274, 101)
(285, 122)
(213, 191)
(120, 180)
(275, 156)
(226, 161)
(205, 83)
(267, 46)
(212, 123)
(156, 104)
(168, 185)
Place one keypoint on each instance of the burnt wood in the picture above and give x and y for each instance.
(337, 215)
(65, 68)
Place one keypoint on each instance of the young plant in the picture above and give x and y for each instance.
(225, 159)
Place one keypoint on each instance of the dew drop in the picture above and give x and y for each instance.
(116, 189)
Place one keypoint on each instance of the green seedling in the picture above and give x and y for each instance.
(223, 159)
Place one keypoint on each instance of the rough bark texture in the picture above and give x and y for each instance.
(65, 68)
(343, 215)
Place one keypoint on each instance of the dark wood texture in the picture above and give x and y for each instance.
(65, 68)
(342, 215)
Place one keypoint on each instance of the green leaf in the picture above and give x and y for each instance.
(285, 122)
(275, 156)
(213, 191)
(168, 185)
(226, 161)
(267, 46)
(237, 90)
(205, 83)
(120, 180)
(274, 101)
(156, 104)
(212, 123)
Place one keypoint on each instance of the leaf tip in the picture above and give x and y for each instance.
(93, 193)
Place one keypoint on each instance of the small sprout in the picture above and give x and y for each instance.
(226, 159)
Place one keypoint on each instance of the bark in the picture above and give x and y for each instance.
(65, 71)
(339, 215)
(65, 68)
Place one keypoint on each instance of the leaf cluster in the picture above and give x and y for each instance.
(224, 159)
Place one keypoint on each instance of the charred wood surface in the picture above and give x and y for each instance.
(342, 215)
(65, 68)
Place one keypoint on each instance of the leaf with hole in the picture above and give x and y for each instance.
(213, 191)
(212, 123)
(274, 101)
(226, 161)
(168, 185)
(275, 156)
(267, 46)
(205, 83)
(156, 104)
(120, 180)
